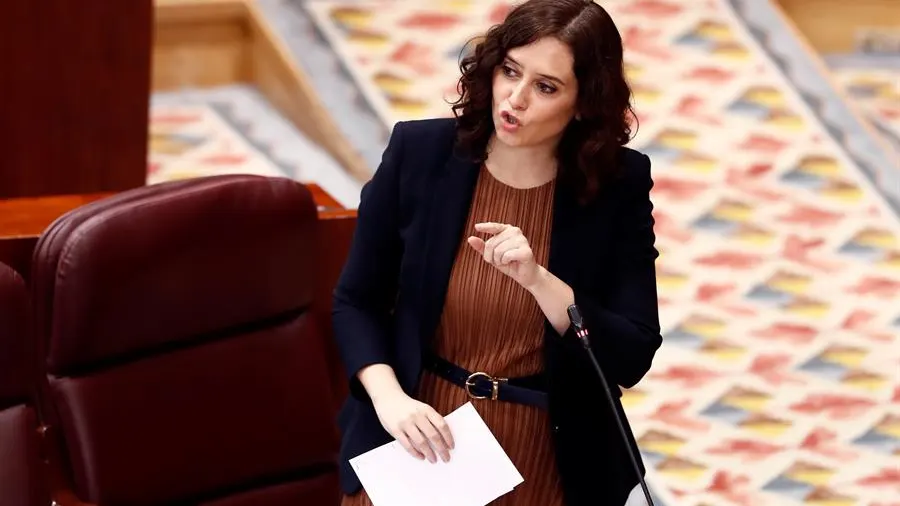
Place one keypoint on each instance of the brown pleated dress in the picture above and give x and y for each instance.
(491, 324)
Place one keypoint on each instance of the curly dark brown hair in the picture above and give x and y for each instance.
(589, 148)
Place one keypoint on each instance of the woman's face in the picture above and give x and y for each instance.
(534, 94)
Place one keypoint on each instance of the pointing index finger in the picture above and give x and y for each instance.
(490, 228)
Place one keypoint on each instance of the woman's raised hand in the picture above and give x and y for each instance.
(508, 250)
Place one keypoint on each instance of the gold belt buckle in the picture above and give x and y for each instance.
(495, 385)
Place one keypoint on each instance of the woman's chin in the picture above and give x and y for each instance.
(509, 138)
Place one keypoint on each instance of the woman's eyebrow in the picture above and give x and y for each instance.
(545, 76)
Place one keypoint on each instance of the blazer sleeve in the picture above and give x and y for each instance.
(625, 331)
(366, 289)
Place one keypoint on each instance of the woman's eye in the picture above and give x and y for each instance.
(546, 88)
(508, 71)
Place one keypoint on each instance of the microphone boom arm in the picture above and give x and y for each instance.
(581, 332)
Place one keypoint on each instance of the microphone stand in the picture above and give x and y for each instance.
(578, 324)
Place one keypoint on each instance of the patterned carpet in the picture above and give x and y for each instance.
(779, 379)
(233, 129)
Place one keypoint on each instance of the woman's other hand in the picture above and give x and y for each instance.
(416, 425)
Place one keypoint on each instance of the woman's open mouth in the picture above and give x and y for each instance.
(510, 123)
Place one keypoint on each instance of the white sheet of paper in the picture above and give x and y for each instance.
(479, 470)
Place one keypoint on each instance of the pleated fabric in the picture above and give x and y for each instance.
(491, 324)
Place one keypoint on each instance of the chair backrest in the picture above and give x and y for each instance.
(182, 365)
(21, 473)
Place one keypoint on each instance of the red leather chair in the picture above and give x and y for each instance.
(21, 471)
(182, 364)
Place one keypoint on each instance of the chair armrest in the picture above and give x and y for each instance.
(65, 497)
(61, 493)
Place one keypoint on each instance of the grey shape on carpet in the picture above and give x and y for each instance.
(337, 90)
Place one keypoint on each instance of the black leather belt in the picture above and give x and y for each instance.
(528, 390)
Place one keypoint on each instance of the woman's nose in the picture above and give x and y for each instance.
(517, 97)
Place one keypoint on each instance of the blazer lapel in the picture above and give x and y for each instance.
(567, 236)
(451, 200)
(564, 236)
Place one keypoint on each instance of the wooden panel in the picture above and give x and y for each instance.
(75, 91)
(220, 48)
(201, 43)
(832, 26)
(198, 10)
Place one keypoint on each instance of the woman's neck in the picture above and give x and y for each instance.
(521, 167)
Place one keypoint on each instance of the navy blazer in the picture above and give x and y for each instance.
(390, 295)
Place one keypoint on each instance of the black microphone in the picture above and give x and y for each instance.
(581, 331)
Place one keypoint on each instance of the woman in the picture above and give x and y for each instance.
(475, 235)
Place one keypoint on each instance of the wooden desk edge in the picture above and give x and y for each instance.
(23, 220)
(28, 217)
